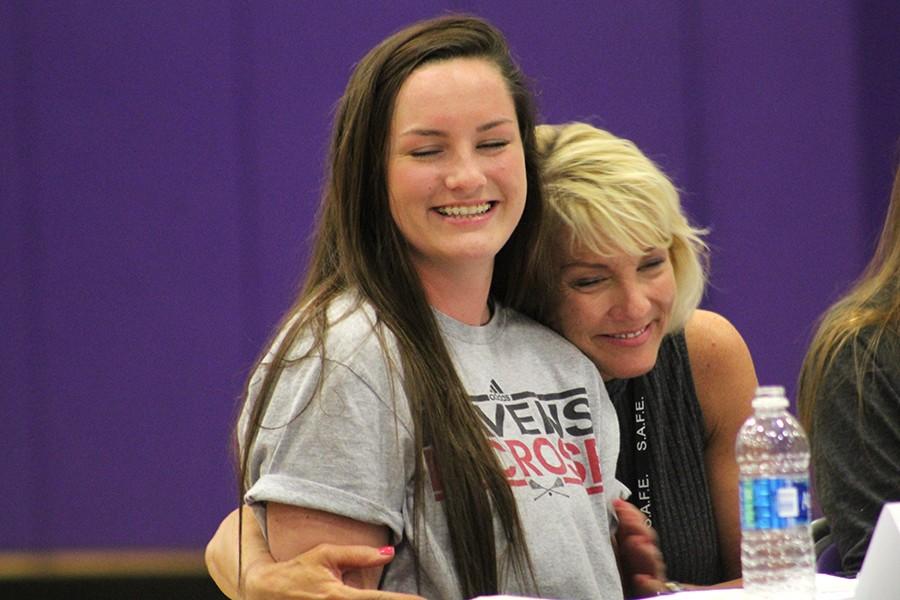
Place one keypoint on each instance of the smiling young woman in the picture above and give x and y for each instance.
(456, 175)
(364, 422)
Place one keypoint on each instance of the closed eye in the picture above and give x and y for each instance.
(493, 145)
(587, 282)
(424, 152)
(652, 264)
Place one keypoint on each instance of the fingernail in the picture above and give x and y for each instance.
(386, 551)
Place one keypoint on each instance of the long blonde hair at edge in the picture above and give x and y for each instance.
(872, 306)
(608, 197)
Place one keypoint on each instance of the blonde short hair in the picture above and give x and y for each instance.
(610, 198)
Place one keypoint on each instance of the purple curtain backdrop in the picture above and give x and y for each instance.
(160, 167)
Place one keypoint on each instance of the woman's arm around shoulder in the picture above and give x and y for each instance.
(725, 381)
(294, 530)
(320, 571)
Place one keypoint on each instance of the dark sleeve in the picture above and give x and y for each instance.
(856, 451)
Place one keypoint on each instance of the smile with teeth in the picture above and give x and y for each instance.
(628, 335)
(473, 210)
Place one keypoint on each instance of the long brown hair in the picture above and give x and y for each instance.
(358, 247)
(872, 306)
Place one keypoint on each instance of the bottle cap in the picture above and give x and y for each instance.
(770, 396)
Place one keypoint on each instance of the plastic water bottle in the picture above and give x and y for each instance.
(777, 555)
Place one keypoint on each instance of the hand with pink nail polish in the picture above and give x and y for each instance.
(318, 573)
(324, 571)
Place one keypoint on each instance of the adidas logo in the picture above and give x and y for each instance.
(496, 394)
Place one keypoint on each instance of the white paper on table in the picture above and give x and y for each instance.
(879, 576)
(828, 587)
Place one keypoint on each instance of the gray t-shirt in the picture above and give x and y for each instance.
(347, 448)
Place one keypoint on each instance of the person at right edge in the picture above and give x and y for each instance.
(849, 398)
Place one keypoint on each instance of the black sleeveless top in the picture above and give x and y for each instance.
(661, 461)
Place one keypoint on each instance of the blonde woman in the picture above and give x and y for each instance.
(627, 277)
(849, 398)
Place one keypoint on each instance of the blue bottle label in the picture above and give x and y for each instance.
(774, 503)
